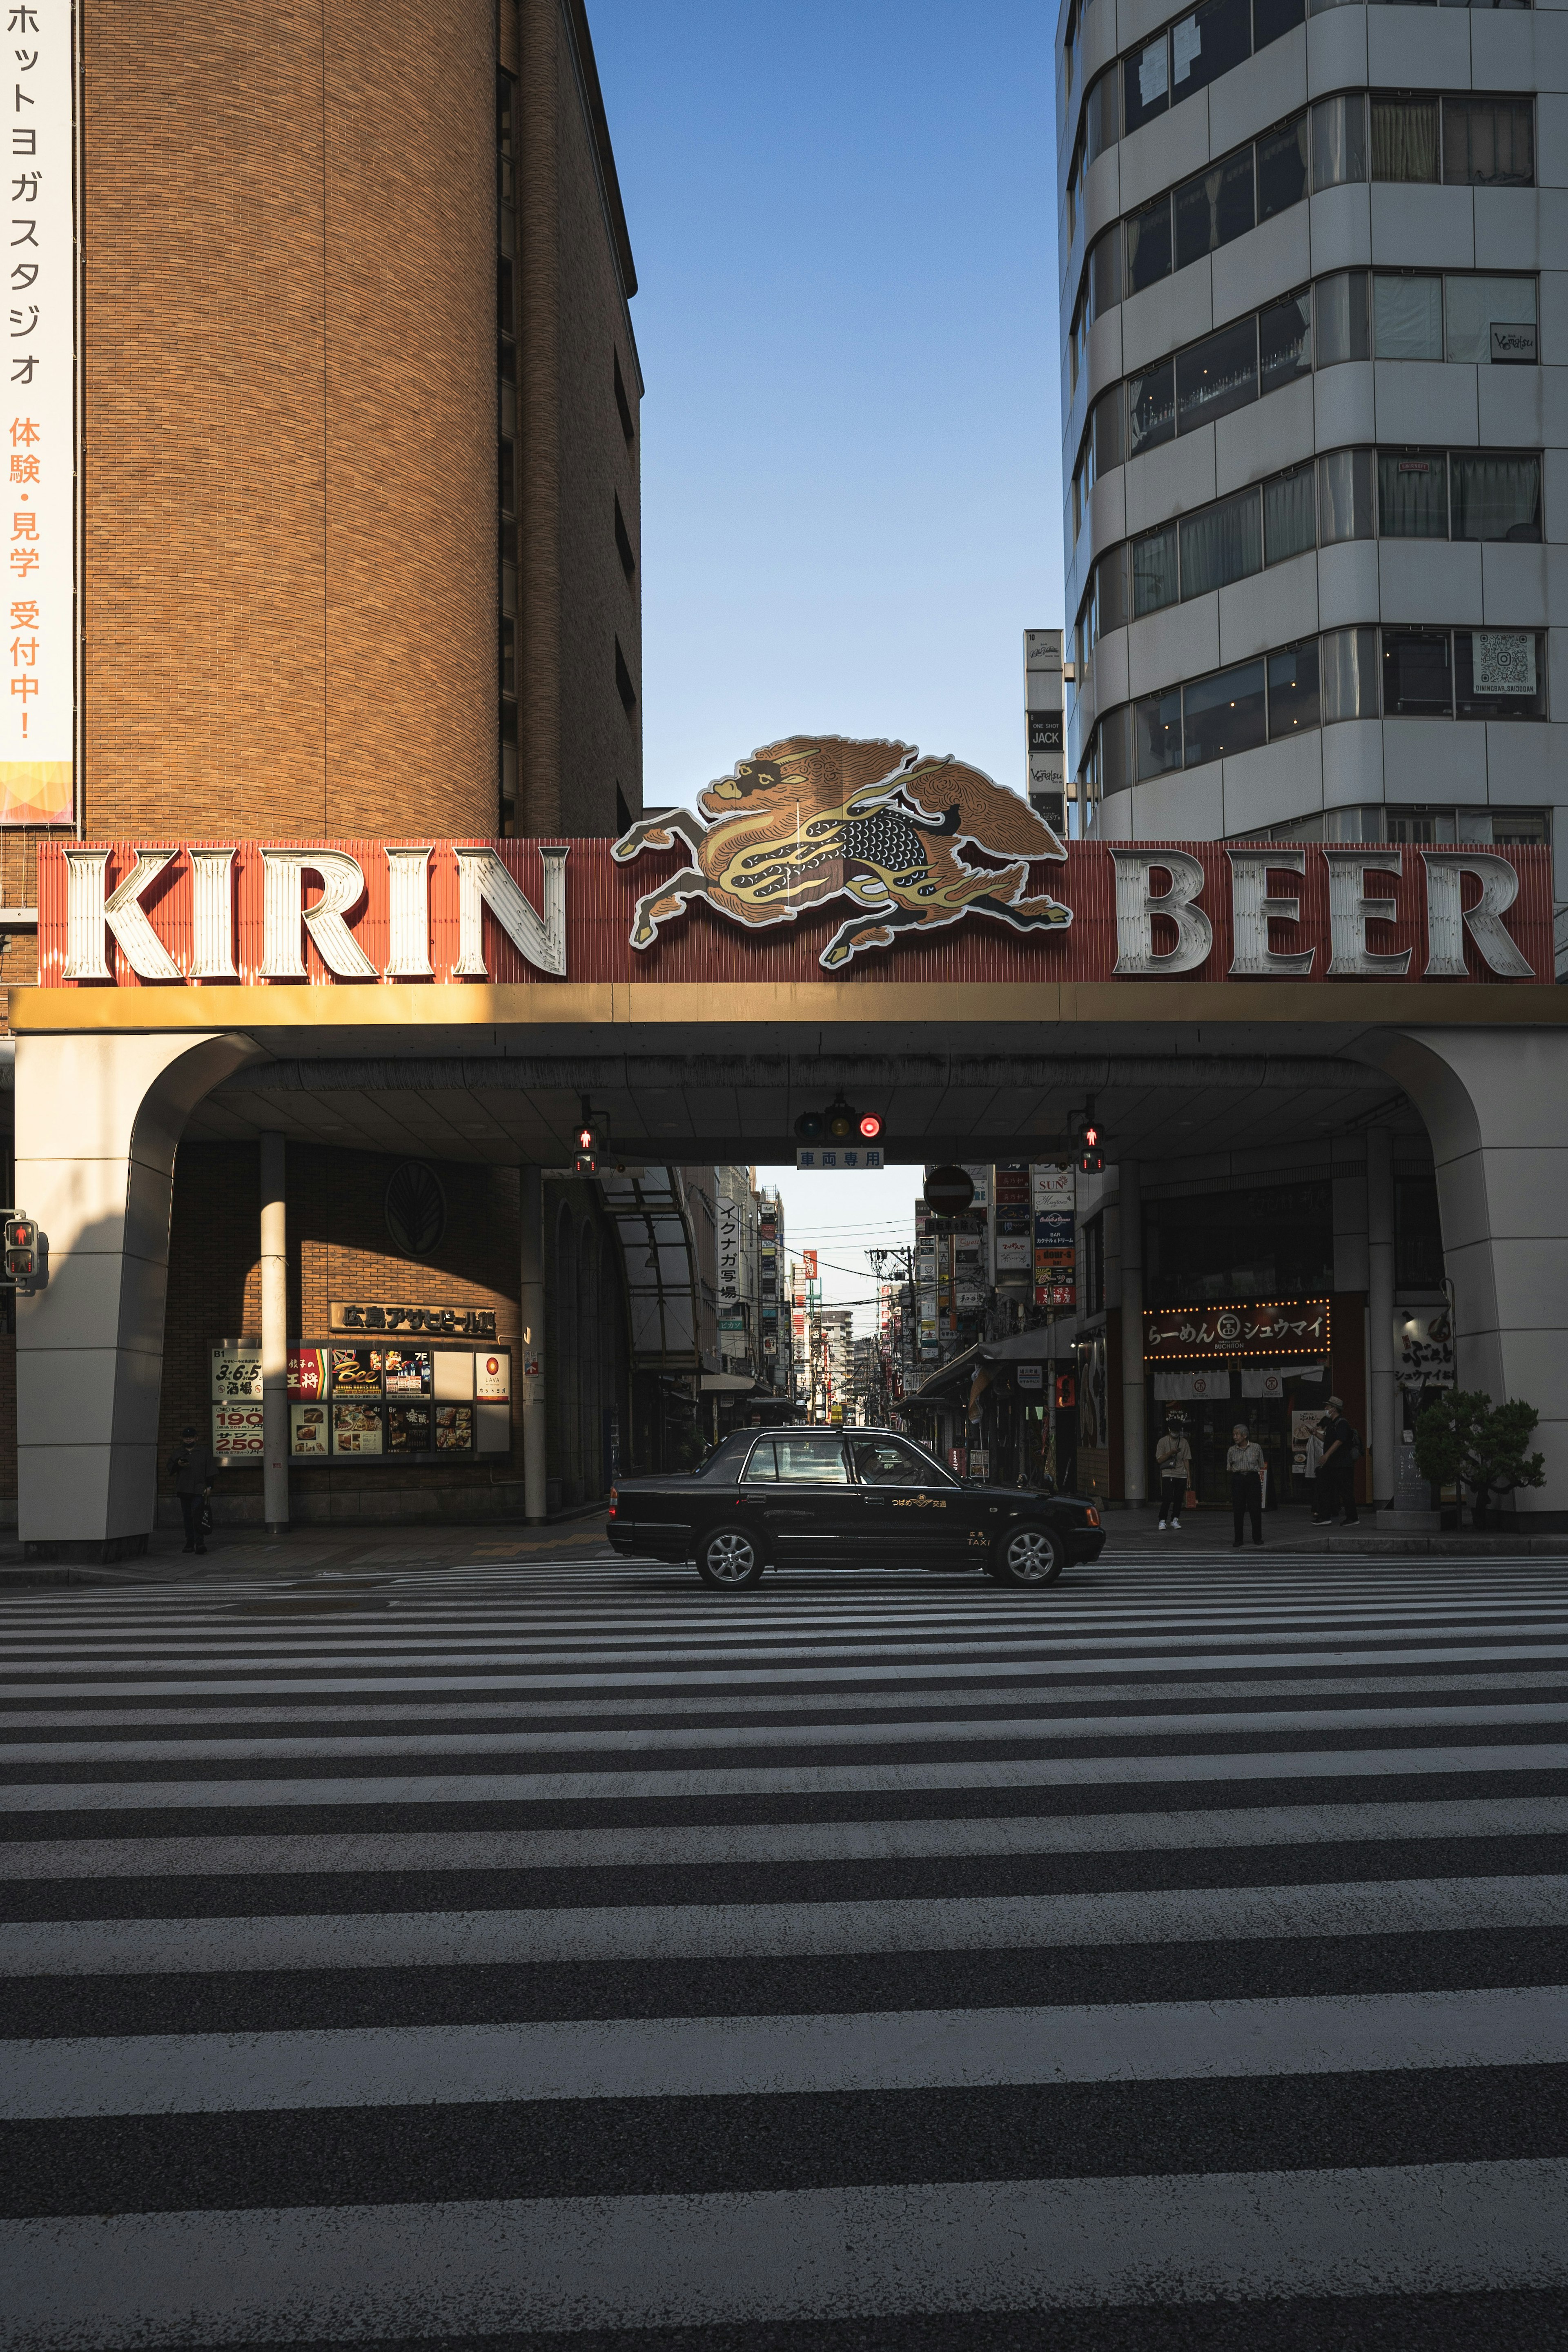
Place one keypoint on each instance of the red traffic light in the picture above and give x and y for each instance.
(870, 1127)
(1090, 1138)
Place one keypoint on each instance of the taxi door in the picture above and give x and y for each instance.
(797, 1488)
(914, 1515)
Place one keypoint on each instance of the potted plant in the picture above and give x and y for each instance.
(1465, 1439)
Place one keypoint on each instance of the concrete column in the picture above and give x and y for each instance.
(535, 1428)
(274, 1338)
(1134, 1436)
(1382, 1431)
(1495, 1102)
(99, 1119)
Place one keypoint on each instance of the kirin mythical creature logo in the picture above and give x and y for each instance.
(820, 817)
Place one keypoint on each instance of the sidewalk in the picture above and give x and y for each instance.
(319, 1551)
(1294, 1530)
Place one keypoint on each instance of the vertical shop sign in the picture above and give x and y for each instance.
(37, 752)
(728, 1252)
(1053, 1193)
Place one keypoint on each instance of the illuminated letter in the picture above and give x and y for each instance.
(1350, 911)
(87, 910)
(1136, 906)
(483, 881)
(1251, 909)
(1447, 914)
(283, 908)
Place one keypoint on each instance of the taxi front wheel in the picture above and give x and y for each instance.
(1027, 1559)
(729, 1559)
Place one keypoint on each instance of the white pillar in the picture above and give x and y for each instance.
(274, 1337)
(1133, 1436)
(536, 1430)
(99, 1119)
(1495, 1103)
(1383, 1432)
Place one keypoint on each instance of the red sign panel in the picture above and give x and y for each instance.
(257, 914)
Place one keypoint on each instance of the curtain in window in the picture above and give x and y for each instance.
(1344, 494)
(1339, 140)
(1350, 676)
(1497, 498)
(1153, 571)
(1288, 522)
(1474, 303)
(1412, 494)
(1404, 138)
(1220, 544)
(1407, 318)
(1489, 142)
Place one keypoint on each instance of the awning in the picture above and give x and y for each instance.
(1044, 1346)
(653, 1225)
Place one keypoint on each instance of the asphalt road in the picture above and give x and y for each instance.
(562, 1953)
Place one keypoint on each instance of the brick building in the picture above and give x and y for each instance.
(359, 534)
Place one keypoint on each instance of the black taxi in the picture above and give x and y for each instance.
(842, 1498)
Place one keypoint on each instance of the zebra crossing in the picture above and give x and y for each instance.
(561, 1952)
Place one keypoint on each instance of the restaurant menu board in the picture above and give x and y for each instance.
(308, 1429)
(356, 1424)
(236, 1404)
(380, 1402)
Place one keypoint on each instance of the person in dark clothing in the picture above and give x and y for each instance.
(192, 1469)
(1244, 1462)
(1336, 1472)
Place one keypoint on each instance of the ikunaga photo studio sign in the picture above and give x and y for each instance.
(945, 878)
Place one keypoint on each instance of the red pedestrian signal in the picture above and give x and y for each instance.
(21, 1249)
(586, 1143)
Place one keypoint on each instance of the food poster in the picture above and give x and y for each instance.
(237, 1431)
(357, 1425)
(454, 1428)
(356, 1370)
(406, 1370)
(308, 1374)
(408, 1429)
(308, 1429)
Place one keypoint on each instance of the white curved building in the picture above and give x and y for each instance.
(1314, 313)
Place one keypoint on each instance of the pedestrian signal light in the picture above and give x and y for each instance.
(587, 1151)
(1091, 1154)
(21, 1249)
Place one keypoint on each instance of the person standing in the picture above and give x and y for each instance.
(1336, 1472)
(1244, 1462)
(1311, 1462)
(193, 1468)
(1174, 1457)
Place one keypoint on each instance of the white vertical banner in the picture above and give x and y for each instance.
(37, 754)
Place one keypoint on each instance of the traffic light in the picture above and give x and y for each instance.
(1090, 1137)
(586, 1144)
(839, 1123)
(21, 1249)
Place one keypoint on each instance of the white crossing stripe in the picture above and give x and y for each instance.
(708, 2057)
(631, 1785)
(770, 1930)
(566, 2263)
(717, 1843)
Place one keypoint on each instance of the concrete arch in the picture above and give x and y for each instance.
(1495, 1104)
(99, 1119)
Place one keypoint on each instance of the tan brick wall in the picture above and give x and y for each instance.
(289, 417)
(577, 741)
(338, 1248)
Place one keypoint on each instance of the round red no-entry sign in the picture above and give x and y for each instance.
(949, 1191)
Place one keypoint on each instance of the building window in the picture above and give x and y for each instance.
(1418, 674)
(1339, 140)
(623, 541)
(1408, 317)
(1221, 544)
(1156, 577)
(1474, 305)
(1417, 1231)
(1412, 494)
(1217, 375)
(1293, 699)
(1494, 495)
(1224, 714)
(1344, 496)
(624, 686)
(1489, 142)
(1290, 526)
(1348, 659)
(1404, 138)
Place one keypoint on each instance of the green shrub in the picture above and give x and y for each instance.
(1465, 1439)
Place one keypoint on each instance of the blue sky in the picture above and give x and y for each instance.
(845, 237)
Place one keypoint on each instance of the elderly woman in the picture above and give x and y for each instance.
(1244, 1462)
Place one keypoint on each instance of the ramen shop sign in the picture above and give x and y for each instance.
(1264, 1327)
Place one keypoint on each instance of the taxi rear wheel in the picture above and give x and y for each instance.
(1027, 1559)
(729, 1559)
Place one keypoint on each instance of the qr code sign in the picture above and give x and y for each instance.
(1504, 661)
